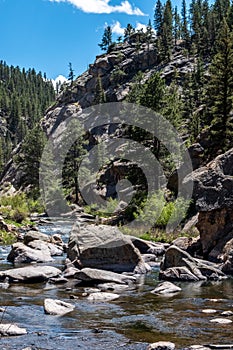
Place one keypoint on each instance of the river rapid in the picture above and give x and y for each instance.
(130, 322)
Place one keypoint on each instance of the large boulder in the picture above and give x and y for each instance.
(102, 247)
(30, 273)
(213, 195)
(179, 265)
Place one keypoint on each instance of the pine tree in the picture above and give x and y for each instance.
(30, 156)
(99, 92)
(184, 25)
(71, 74)
(177, 26)
(106, 39)
(158, 18)
(167, 31)
(220, 91)
(129, 30)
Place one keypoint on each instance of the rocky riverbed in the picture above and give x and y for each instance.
(141, 311)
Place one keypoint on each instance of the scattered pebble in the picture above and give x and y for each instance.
(209, 311)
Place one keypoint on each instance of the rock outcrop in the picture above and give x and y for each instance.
(213, 195)
(102, 247)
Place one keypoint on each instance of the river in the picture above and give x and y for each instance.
(130, 322)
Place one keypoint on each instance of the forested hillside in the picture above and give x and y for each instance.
(181, 67)
(24, 97)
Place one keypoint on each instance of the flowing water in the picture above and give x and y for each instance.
(130, 322)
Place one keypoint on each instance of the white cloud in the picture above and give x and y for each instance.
(140, 26)
(117, 28)
(103, 6)
(58, 79)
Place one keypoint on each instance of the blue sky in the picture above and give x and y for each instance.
(48, 34)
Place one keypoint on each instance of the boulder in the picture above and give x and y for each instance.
(96, 276)
(114, 287)
(147, 247)
(166, 288)
(179, 265)
(227, 257)
(102, 296)
(161, 345)
(20, 253)
(30, 273)
(102, 247)
(57, 307)
(35, 235)
(11, 330)
(221, 320)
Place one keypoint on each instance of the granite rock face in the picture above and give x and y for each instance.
(213, 195)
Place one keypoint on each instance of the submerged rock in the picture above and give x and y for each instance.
(166, 288)
(96, 276)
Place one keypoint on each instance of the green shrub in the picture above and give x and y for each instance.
(157, 212)
(104, 211)
(16, 209)
(7, 238)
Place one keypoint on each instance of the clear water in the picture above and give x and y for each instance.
(130, 322)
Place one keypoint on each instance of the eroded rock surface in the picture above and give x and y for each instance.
(102, 247)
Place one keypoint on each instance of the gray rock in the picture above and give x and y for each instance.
(35, 235)
(178, 274)
(179, 265)
(227, 257)
(98, 276)
(166, 288)
(30, 273)
(221, 320)
(20, 253)
(11, 330)
(198, 347)
(161, 345)
(227, 313)
(213, 195)
(102, 296)
(46, 247)
(102, 247)
(114, 287)
(57, 307)
(147, 247)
